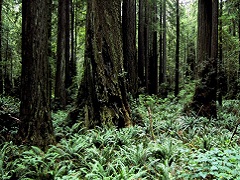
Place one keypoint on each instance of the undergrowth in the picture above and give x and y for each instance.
(163, 144)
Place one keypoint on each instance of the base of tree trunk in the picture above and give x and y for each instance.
(202, 103)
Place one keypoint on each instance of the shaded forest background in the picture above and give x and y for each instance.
(119, 78)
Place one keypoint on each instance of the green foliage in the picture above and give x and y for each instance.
(9, 105)
(9, 113)
(11, 41)
(213, 164)
(184, 147)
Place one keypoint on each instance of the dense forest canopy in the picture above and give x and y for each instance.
(120, 89)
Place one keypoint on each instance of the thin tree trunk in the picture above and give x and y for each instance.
(164, 90)
(220, 65)
(239, 40)
(146, 45)
(141, 47)
(50, 53)
(153, 64)
(1, 66)
(164, 41)
(68, 81)
(73, 39)
(161, 44)
(177, 51)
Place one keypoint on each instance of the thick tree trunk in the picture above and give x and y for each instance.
(204, 100)
(204, 34)
(62, 54)
(102, 93)
(36, 126)
(129, 44)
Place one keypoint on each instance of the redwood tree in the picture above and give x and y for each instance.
(177, 49)
(62, 53)
(129, 44)
(141, 47)
(36, 126)
(1, 66)
(204, 100)
(102, 93)
(163, 48)
(146, 44)
(153, 61)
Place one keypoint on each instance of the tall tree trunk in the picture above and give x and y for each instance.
(62, 53)
(161, 44)
(177, 50)
(220, 62)
(129, 44)
(204, 34)
(102, 93)
(1, 66)
(36, 126)
(68, 80)
(204, 100)
(146, 45)
(73, 66)
(163, 60)
(153, 64)
(239, 40)
(141, 47)
(50, 53)
(164, 40)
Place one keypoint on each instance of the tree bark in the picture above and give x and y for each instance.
(161, 44)
(72, 65)
(1, 66)
(220, 65)
(141, 47)
(62, 54)
(153, 64)
(204, 100)
(146, 45)
(36, 126)
(163, 59)
(50, 53)
(129, 44)
(239, 40)
(204, 33)
(176, 92)
(102, 94)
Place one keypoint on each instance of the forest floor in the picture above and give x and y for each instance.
(165, 144)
